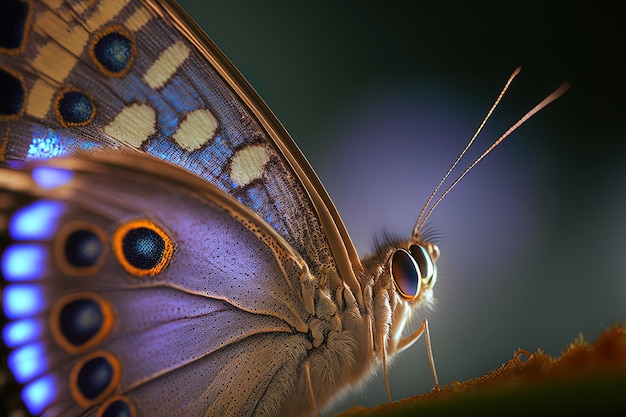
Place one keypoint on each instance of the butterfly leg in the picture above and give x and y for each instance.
(309, 384)
(412, 338)
(384, 360)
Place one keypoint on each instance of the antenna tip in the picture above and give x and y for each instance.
(561, 90)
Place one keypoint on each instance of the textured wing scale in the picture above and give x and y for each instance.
(186, 325)
(139, 77)
(169, 102)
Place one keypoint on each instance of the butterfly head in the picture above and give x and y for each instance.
(404, 274)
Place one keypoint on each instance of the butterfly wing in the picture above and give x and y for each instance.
(170, 335)
(141, 75)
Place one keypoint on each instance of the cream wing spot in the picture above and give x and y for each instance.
(82, 6)
(106, 11)
(55, 62)
(53, 4)
(51, 24)
(133, 125)
(40, 99)
(248, 164)
(166, 65)
(198, 128)
(138, 19)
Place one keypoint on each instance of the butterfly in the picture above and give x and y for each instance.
(166, 247)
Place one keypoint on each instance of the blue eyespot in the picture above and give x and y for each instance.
(83, 248)
(12, 95)
(113, 51)
(94, 378)
(117, 407)
(14, 20)
(405, 273)
(74, 108)
(80, 248)
(142, 248)
(80, 321)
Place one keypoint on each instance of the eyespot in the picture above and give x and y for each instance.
(15, 18)
(113, 51)
(94, 377)
(117, 406)
(405, 273)
(74, 108)
(81, 321)
(142, 247)
(424, 262)
(12, 95)
(80, 248)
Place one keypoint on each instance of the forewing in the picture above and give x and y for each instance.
(141, 75)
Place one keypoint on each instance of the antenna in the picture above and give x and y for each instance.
(421, 220)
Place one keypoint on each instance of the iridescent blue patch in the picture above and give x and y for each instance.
(27, 362)
(20, 332)
(23, 262)
(46, 144)
(51, 177)
(114, 52)
(36, 221)
(11, 94)
(75, 109)
(49, 143)
(13, 22)
(39, 394)
(22, 300)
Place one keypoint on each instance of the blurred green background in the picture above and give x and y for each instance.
(381, 97)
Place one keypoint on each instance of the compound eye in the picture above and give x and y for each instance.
(406, 274)
(424, 262)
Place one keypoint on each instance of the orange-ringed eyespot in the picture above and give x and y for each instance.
(15, 19)
(117, 406)
(406, 274)
(12, 95)
(80, 321)
(142, 247)
(74, 108)
(80, 248)
(113, 51)
(83, 248)
(94, 378)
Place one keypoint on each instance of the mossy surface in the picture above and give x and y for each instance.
(587, 379)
